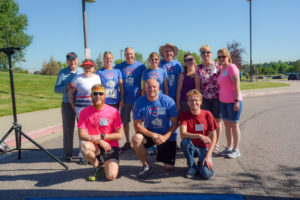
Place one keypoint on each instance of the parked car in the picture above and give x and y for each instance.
(277, 77)
(294, 77)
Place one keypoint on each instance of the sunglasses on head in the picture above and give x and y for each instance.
(188, 60)
(219, 57)
(98, 93)
(205, 52)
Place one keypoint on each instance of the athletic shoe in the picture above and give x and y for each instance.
(97, 171)
(145, 172)
(216, 151)
(191, 173)
(125, 147)
(234, 154)
(82, 161)
(68, 157)
(225, 152)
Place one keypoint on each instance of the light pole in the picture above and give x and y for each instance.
(121, 53)
(251, 66)
(86, 49)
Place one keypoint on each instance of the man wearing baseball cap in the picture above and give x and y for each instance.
(62, 85)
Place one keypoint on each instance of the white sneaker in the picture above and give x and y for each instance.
(234, 154)
(225, 152)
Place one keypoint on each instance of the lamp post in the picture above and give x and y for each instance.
(251, 66)
(86, 49)
(121, 53)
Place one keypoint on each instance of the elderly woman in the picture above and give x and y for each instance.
(112, 80)
(230, 102)
(83, 84)
(207, 73)
(157, 73)
(186, 82)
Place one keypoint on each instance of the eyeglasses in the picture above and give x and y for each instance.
(188, 60)
(154, 59)
(98, 93)
(219, 57)
(204, 52)
(194, 100)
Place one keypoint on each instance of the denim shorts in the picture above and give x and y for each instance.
(227, 112)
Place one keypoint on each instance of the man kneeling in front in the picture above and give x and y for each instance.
(198, 133)
(100, 127)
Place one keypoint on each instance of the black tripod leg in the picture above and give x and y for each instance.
(19, 142)
(39, 146)
(5, 136)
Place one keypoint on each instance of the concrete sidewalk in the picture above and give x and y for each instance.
(46, 122)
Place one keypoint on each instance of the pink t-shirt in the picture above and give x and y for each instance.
(227, 91)
(104, 121)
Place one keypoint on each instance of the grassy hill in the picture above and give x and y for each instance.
(36, 92)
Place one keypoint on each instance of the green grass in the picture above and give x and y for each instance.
(36, 92)
(261, 84)
(32, 92)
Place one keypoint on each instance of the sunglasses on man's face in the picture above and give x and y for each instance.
(205, 52)
(220, 57)
(188, 60)
(98, 93)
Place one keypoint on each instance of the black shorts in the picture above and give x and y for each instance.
(213, 105)
(112, 154)
(166, 152)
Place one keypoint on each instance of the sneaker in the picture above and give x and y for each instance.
(216, 151)
(97, 171)
(125, 147)
(68, 157)
(145, 172)
(82, 161)
(225, 152)
(191, 173)
(234, 154)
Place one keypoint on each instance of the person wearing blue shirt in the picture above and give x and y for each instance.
(131, 73)
(173, 67)
(62, 85)
(155, 122)
(156, 73)
(112, 80)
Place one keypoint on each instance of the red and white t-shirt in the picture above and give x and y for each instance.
(106, 121)
(202, 123)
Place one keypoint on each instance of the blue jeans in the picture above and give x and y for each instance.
(190, 151)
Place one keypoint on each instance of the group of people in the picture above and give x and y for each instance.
(161, 97)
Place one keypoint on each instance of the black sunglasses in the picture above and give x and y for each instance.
(219, 57)
(188, 59)
(204, 52)
(98, 93)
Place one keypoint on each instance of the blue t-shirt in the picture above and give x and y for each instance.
(110, 80)
(131, 75)
(156, 115)
(173, 69)
(159, 74)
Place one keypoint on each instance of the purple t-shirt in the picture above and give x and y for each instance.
(187, 84)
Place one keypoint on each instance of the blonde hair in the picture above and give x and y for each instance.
(205, 47)
(98, 87)
(227, 53)
(193, 92)
(106, 53)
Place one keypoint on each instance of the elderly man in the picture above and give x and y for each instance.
(100, 127)
(158, 113)
(173, 67)
(198, 133)
(131, 73)
(63, 85)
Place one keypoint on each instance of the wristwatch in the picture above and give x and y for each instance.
(102, 136)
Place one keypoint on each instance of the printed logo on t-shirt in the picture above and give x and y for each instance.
(109, 75)
(111, 84)
(171, 79)
(155, 111)
(129, 71)
(169, 68)
(225, 73)
(103, 122)
(129, 80)
(199, 127)
(157, 122)
(153, 75)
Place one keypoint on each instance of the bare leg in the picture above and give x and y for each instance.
(89, 152)
(111, 168)
(228, 131)
(236, 134)
(219, 131)
(138, 142)
(126, 130)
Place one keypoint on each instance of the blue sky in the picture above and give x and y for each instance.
(57, 27)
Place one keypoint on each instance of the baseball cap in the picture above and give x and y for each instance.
(71, 55)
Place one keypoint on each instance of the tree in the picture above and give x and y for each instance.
(12, 25)
(99, 62)
(297, 66)
(181, 54)
(118, 61)
(236, 51)
(51, 68)
(139, 57)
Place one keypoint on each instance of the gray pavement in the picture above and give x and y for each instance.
(37, 175)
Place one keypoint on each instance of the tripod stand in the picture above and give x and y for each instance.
(17, 127)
